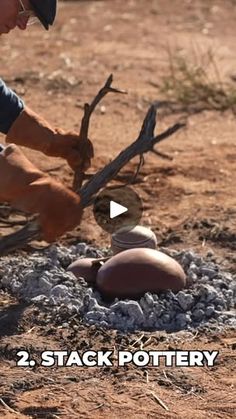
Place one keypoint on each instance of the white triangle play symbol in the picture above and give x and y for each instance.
(116, 209)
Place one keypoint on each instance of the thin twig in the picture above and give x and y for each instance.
(88, 109)
(147, 341)
(140, 165)
(147, 377)
(97, 407)
(137, 341)
(159, 401)
(8, 407)
(162, 155)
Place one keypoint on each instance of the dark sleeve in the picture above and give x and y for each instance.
(10, 107)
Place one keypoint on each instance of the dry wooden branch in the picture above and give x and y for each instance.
(20, 238)
(144, 143)
(84, 128)
(100, 179)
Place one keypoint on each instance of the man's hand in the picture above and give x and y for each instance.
(33, 131)
(69, 146)
(30, 190)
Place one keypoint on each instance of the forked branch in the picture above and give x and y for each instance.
(144, 143)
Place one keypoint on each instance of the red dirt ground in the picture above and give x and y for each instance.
(190, 202)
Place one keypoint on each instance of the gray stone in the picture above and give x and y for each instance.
(198, 315)
(185, 300)
(149, 299)
(210, 273)
(182, 320)
(210, 310)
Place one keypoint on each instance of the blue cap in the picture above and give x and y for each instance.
(45, 10)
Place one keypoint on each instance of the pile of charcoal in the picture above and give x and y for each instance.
(41, 278)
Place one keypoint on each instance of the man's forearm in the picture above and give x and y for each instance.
(10, 107)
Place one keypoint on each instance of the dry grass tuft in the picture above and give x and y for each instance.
(196, 85)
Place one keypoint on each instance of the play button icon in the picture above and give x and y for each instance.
(117, 207)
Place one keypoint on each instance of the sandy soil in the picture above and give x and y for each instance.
(190, 202)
